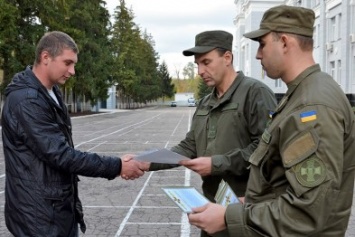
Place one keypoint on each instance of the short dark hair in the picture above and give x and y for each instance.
(305, 42)
(222, 51)
(54, 43)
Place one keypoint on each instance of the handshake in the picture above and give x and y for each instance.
(132, 169)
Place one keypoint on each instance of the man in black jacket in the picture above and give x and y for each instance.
(41, 162)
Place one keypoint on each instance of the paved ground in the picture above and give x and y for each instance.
(139, 207)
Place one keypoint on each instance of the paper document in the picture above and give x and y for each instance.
(186, 197)
(225, 194)
(163, 156)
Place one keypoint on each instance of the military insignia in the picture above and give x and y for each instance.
(310, 172)
(308, 116)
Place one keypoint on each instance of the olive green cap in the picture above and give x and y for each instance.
(209, 40)
(287, 19)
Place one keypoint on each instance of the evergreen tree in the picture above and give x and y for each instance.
(168, 88)
(93, 72)
(125, 37)
(203, 89)
(135, 68)
(148, 84)
(19, 32)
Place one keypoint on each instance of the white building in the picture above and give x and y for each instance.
(334, 40)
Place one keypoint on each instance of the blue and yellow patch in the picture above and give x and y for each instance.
(308, 116)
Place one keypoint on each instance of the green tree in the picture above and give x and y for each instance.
(20, 29)
(135, 67)
(203, 89)
(125, 37)
(168, 88)
(25, 21)
(189, 71)
(148, 84)
(93, 72)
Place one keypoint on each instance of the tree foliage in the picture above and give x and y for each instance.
(189, 71)
(203, 89)
(93, 72)
(119, 54)
(168, 88)
(136, 62)
(19, 30)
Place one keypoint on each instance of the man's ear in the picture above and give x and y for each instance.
(228, 56)
(288, 41)
(45, 57)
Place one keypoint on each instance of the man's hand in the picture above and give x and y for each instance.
(209, 218)
(131, 169)
(144, 165)
(201, 165)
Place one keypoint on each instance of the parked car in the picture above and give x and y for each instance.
(173, 104)
(191, 102)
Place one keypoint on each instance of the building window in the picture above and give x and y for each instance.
(332, 29)
(332, 69)
(316, 36)
(338, 77)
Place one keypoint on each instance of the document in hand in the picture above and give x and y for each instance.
(185, 197)
(163, 156)
(225, 194)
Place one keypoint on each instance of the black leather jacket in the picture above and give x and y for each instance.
(42, 165)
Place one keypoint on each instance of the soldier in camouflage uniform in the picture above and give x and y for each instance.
(302, 173)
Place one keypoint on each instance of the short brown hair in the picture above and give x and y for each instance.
(305, 42)
(54, 43)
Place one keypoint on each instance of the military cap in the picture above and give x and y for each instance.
(287, 19)
(209, 40)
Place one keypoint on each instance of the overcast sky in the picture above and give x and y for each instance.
(173, 24)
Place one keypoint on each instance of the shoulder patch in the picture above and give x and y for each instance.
(300, 148)
(310, 172)
(308, 116)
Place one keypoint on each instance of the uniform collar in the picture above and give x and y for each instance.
(294, 84)
(230, 90)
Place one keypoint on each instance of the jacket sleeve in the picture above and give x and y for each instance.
(312, 163)
(39, 129)
(259, 102)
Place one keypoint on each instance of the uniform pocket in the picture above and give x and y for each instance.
(230, 106)
(262, 149)
(202, 112)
